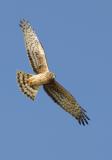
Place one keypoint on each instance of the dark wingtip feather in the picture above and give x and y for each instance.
(24, 24)
(83, 119)
(23, 21)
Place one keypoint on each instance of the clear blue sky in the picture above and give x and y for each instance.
(77, 37)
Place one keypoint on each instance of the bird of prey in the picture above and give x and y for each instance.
(29, 83)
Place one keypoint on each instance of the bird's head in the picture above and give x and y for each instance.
(52, 75)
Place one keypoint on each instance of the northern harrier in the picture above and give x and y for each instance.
(30, 84)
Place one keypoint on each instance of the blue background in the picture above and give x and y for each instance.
(77, 37)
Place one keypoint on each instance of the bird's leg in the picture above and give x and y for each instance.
(40, 79)
(35, 80)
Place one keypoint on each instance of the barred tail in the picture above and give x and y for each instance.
(28, 90)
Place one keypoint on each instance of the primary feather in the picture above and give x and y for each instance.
(62, 97)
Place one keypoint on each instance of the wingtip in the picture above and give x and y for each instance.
(21, 22)
(24, 24)
(83, 119)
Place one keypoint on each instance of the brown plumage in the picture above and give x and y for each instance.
(29, 83)
(27, 89)
(63, 98)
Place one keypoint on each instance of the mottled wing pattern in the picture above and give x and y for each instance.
(34, 48)
(62, 97)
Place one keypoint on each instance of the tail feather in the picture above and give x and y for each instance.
(29, 91)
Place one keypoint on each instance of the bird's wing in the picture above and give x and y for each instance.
(63, 98)
(34, 48)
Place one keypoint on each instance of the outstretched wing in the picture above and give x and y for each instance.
(62, 97)
(34, 48)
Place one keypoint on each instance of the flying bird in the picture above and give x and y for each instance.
(30, 84)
